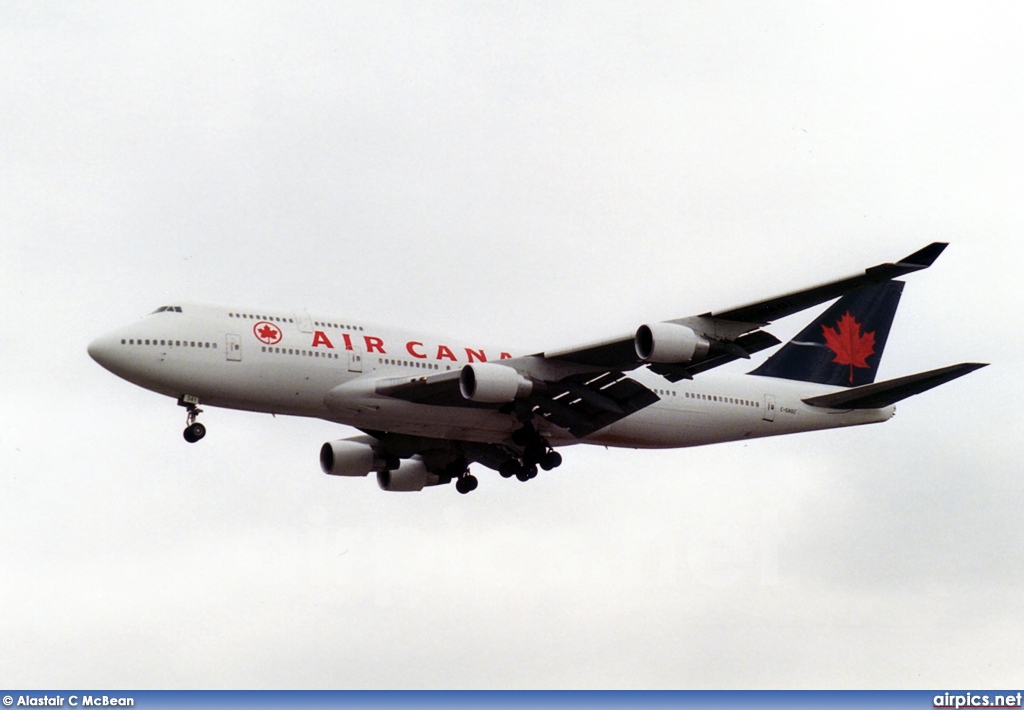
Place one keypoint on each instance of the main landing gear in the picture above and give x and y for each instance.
(194, 431)
(465, 482)
(536, 452)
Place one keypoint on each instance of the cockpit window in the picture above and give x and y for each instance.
(169, 309)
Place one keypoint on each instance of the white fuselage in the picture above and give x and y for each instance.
(284, 363)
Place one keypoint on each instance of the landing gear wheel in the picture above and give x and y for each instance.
(550, 460)
(194, 432)
(509, 468)
(466, 484)
(526, 473)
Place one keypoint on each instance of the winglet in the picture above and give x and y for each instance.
(925, 257)
(920, 259)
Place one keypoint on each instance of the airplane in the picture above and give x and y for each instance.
(429, 406)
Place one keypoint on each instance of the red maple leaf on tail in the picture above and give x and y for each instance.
(850, 346)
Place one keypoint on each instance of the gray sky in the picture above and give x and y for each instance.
(530, 175)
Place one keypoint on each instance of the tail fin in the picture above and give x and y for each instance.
(844, 345)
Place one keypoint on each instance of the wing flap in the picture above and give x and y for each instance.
(582, 404)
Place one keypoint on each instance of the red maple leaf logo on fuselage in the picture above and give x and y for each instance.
(849, 344)
(267, 332)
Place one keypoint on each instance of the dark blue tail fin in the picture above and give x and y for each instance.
(844, 345)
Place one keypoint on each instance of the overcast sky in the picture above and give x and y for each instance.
(528, 175)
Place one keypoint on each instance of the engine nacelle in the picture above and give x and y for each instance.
(669, 343)
(349, 457)
(412, 475)
(487, 382)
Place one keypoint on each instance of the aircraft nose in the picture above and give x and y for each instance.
(102, 350)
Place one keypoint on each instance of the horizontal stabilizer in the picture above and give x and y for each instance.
(882, 394)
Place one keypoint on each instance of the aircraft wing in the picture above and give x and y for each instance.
(439, 390)
(579, 403)
(736, 331)
(584, 389)
(764, 312)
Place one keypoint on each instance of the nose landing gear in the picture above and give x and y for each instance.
(194, 431)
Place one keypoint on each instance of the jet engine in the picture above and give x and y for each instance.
(487, 382)
(350, 457)
(669, 343)
(412, 475)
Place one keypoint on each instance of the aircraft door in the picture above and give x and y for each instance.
(304, 322)
(355, 360)
(769, 408)
(234, 347)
